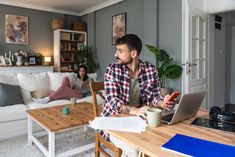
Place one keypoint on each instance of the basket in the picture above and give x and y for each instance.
(57, 24)
(79, 26)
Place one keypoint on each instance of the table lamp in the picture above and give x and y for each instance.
(47, 60)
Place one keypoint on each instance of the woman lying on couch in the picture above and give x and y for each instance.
(79, 90)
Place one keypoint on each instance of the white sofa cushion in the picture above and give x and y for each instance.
(34, 105)
(32, 82)
(13, 113)
(56, 79)
(10, 79)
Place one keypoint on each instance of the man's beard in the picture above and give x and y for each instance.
(124, 63)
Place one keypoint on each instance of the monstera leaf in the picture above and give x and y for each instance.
(165, 65)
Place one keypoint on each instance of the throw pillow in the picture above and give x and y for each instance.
(10, 95)
(32, 82)
(39, 94)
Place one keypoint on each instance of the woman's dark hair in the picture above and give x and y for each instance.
(86, 76)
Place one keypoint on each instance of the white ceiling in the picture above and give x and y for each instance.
(71, 7)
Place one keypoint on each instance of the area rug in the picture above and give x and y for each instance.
(17, 146)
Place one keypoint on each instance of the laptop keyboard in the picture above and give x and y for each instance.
(168, 117)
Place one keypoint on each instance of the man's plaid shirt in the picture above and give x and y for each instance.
(117, 80)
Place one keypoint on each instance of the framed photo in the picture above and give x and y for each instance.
(8, 62)
(118, 26)
(16, 29)
(32, 60)
(2, 61)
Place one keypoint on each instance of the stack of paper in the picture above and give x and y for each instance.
(129, 124)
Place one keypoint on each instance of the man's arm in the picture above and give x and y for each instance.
(113, 101)
(159, 100)
(139, 111)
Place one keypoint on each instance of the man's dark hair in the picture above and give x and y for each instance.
(132, 41)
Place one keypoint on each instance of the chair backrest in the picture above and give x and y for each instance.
(95, 89)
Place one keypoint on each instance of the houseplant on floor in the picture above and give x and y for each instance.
(167, 68)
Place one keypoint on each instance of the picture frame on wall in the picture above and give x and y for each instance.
(32, 60)
(118, 26)
(16, 29)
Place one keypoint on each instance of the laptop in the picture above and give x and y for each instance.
(188, 107)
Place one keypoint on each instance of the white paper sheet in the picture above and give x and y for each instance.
(129, 124)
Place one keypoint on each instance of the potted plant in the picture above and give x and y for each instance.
(167, 69)
(84, 56)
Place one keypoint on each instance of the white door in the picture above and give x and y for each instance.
(195, 58)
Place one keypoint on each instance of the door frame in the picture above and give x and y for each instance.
(227, 6)
(185, 47)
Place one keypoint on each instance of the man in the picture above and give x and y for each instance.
(131, 85)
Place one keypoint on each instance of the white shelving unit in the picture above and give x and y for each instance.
(67, 45)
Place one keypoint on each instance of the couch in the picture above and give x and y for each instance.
(13, 118)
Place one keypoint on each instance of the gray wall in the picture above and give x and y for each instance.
(219, 66)
(156, 22)
(232, 76)
(135, 24)
(40, 32)
(142, 19)
(230, 57)
(170, 33)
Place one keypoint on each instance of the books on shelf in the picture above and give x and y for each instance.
(190, 146)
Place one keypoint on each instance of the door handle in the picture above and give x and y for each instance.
(190, 65)
(186, 63)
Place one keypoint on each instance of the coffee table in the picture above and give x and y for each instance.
(53, 121)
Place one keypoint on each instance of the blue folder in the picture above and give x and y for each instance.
(197, 147)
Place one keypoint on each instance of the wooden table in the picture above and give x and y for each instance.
(150, 141)
(53, 120)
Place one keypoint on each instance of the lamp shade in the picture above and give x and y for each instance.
(47, 59)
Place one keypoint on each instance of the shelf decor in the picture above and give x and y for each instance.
(32, 60)
(68, 49)
(2, 61)
(16, 29)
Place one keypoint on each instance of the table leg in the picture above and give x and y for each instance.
(30, 131)
(51, 144)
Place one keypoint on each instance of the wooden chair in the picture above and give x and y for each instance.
(99, 140)
(142, 155)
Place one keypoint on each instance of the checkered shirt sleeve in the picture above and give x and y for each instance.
(116, 84)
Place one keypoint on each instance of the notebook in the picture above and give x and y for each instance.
(187, 108)
(190, 146)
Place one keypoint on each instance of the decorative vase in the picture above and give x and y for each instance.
(19, 60)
